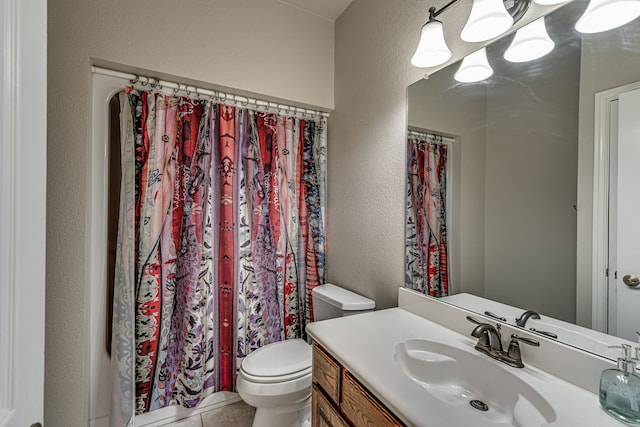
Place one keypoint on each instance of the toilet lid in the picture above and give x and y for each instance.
(278, 359)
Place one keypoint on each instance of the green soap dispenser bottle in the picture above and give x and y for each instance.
(620, 389)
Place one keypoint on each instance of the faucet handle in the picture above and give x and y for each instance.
(495, 316)
(473, 320)
(513, 356)
(515, 338)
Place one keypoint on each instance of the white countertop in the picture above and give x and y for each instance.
(364, 344)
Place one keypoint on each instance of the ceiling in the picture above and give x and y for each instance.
(327, 9)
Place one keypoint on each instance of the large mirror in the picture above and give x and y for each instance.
(520, 172)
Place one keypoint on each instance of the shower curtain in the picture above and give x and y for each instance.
(426, 251)
(220, 242)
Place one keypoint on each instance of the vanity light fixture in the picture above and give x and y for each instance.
(604, 15)
(530, 42)
(488, 19)
(474, 67)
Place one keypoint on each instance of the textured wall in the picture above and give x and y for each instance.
(259, 46)
(374, 42)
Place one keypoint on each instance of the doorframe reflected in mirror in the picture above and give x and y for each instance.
(602, 133)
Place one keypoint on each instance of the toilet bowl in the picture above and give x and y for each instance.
(276, 379)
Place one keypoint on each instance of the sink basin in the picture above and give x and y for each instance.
(473, 386)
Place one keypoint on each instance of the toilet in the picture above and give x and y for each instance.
(276, 379)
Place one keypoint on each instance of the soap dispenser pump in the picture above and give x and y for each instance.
(620, 389)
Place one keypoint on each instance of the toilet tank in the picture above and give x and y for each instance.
(331, 301)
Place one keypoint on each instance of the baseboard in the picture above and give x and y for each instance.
(174, 413)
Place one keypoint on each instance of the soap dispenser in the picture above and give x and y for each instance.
(620, 389)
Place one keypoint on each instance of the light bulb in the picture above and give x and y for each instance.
(474, 67)
(604, 15)
(432, 49)
(488, 19)
(530, 42)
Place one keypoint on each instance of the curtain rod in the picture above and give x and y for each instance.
(422, 134)
(222, 97)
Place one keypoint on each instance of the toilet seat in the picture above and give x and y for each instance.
(278, 379)
(278, 362)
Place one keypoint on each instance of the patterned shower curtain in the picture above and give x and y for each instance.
(220, 242)
(426, 251)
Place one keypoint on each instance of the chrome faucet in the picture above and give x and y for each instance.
(490, 343)
(529, 314)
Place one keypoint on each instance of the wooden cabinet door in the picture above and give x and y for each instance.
(362, 409)
(324, 414)
(326, 373)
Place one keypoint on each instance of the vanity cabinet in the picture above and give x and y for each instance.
(339, 400)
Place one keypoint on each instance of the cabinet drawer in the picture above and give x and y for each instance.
(326, 373)
(324, 414)
(361, 408)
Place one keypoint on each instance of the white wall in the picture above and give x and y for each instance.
(531, 170)
(258, 46)
(374, 42)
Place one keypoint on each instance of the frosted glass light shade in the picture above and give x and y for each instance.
(432, 49)
(474, 67)
(549, 2)
(604, 15)
(530, 42)
(488, 19)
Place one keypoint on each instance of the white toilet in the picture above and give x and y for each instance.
(276, 379)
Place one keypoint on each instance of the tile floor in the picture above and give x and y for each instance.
(237, 414)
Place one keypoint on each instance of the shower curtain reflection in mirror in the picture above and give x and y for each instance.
(426, 248)
(220, 243)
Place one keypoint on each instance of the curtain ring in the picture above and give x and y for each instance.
(134, 81)
(245, 104)
(222, 97)
(154, 83)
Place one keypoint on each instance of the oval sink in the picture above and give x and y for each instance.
(467, 382)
